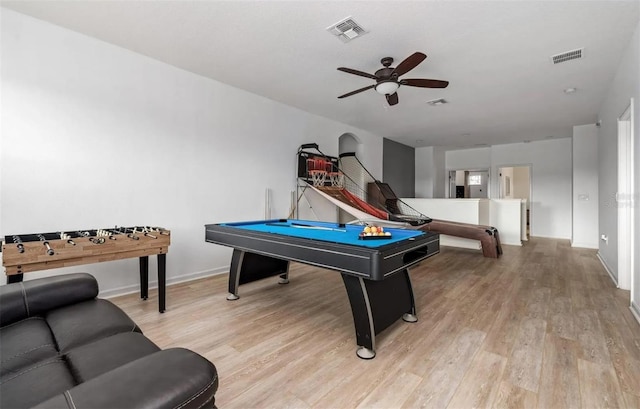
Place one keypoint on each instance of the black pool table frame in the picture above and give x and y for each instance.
(376, 278)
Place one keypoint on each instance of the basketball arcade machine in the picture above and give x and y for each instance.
(324, 173)
(328, 174)
(316, 169)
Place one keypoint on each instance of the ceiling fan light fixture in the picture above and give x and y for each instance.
(387, 87)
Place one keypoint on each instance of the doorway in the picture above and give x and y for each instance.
(465, 184)
(515, 183)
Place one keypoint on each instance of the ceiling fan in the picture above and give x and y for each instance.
(387, 81)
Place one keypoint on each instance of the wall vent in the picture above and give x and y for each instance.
(439, 101)
(347, 30)
(568, 56)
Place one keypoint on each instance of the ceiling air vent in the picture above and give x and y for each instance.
(346, 30)
(437, 102)
(567, 56)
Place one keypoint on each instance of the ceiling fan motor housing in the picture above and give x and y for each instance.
(385, 73)
(386, 61)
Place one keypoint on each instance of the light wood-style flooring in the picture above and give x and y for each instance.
(541, 327)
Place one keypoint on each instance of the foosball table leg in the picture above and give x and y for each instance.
(14, 278)
(144, 277)
(162, 281)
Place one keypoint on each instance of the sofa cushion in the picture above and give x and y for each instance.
(35, 384)
(34, 297)
(25, 343)
(87, 321)
(94, 359)
(171, 378)
(67, 350)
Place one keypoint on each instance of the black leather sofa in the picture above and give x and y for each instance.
(61, 347)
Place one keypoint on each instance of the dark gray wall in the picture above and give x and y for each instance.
(398, 168)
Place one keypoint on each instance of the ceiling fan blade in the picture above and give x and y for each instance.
(410, 63)
(425, 83)
(392, 99)
(356, 91)
(356, 72)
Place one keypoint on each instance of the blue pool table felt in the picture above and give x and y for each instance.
(348, 234)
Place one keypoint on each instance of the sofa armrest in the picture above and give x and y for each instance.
(34, 297)
(174, 378)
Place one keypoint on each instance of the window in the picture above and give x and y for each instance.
(475, 180)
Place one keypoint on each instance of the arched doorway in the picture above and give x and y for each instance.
(348, 142)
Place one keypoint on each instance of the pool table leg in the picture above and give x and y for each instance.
(234, 274)
(284, 278)
(247, 267)
(376, 305)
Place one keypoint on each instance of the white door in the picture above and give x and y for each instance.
(624, 198)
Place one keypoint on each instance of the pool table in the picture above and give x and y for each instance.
(374, 269)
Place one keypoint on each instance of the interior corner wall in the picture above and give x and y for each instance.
(624, 86)
(94, 135)
(425, 172)
(430, 173)
(440, 183)
(585, 186)
(398, 168)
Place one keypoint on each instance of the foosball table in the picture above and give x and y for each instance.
(25, 253)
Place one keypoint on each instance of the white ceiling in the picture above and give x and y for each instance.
(495, 54)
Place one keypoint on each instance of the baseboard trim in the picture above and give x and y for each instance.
(606, 267)
(512, 243)
(134, 288)
(635, 310)
(585, 245)
(542, 236)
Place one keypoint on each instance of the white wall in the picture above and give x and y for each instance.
(585, 186)
(459, 210)
(503, 214)
(550, 162)
(506, 216)
(468, 159)
(94, 135)
(425, 172)
(624, 86)
(431, 177)
(632, 63)
(441, 183)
